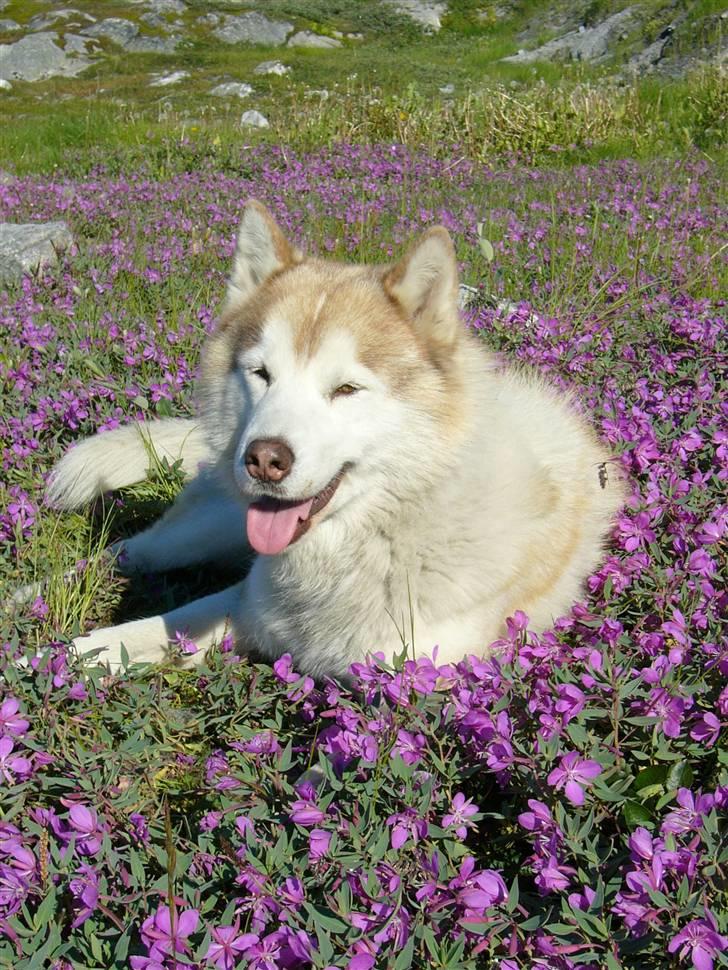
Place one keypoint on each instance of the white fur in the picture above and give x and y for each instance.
(121, 457)
(443, 524)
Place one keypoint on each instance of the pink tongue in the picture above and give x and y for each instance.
(272, 524)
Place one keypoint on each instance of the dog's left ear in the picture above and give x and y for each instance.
(425, 284)
(262, 250)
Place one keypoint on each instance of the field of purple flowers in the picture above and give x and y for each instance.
(560, 805)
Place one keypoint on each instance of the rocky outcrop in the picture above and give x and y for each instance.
(28, 247)
(38, 56)
(307, 38)
(253, 28)
(583, 44)
(427, 13)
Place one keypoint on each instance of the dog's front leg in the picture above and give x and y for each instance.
(204, 622)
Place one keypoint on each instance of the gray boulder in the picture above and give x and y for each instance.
(254, 119)
(232, 89)
(7, 26)
(153, 45)
(427, 13)
(166, 6)
(253, 28)
(165, 80)
(584, 44)
(26, 248)
(38, 56)
(66, 14)
(306, 38)
(115, 29)
(272, 67)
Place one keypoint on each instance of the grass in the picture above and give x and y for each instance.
(560, 112)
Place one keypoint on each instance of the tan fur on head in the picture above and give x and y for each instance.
(425, 283)
(262, 251)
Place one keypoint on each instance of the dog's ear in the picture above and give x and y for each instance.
(261, 251)
(425, 284)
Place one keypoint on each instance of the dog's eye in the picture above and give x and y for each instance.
(262, 373)
(345, 390)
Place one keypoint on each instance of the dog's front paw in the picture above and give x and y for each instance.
(101, 647)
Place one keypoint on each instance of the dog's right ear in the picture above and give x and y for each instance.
(262, 250)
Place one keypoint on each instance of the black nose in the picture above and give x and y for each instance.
(268, 459)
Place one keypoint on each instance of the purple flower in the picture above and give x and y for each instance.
(410, 747)
(405, 825)
(461, 811)
(184, 644)
(161, 937)
(85, 890)
(10, 723)
(690, 814)
(12, 765)
(228, 945)
(84, 822)
(573, 772)
(701, 941)
(305, 813)
(706, 729)
(318, 844)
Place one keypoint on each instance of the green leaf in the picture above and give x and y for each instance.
(680, 775)
(486, 248)
(326, 920)
(404, 960)
(44, 913)
(636, 814)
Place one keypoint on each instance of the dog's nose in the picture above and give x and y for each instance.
(268, 459)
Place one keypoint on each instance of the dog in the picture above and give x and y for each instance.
(399, 485)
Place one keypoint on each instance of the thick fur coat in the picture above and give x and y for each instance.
(399, 484)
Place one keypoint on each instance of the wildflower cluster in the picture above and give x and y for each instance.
(559, 804)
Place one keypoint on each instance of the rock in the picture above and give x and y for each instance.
(153, 45)
(167, 6)
(254, 119)
(584, 44)
(38, 56)
(156, 20)
(253, 28)
(426, 14)
(209, 20)
(164, 80)
(115, 29)
(233, 89)
(447, 89)
(7, 26)
(306, 38)
(272, 67)
(5, 85)
(25, 248)
(44, 21)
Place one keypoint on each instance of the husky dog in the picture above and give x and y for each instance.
(397, 482)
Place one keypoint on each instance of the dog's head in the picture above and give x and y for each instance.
(327, 383)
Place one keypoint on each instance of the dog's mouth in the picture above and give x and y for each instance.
(274, 524)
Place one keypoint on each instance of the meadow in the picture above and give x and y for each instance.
(559, 805)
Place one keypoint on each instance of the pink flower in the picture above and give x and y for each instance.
(701, 940)
(573, 772)
(12, 765)
(10, 723)
(461, 811)
(228, 945)
(318, 844)
(305, 813)
(161, 938)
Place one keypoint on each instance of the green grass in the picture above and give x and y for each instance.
(385, 88)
